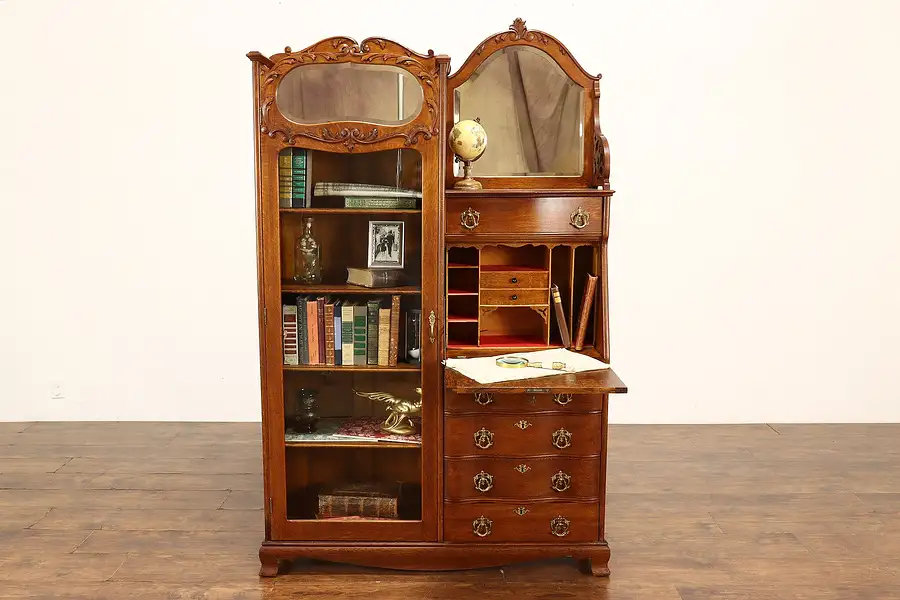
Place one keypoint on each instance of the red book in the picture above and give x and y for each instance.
(312, 325)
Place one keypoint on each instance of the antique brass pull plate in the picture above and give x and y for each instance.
(469, 218)
(483, 482)
(562, 438)
(523, 468)
(483, 398)
(561, 481)
(579, 218)
(482, 526)
(523, 425)
(484, 439)
(559, 526)
(562, 399)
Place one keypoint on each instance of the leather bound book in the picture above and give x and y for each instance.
(372, 307)
(347, 333)
(289, 333)
(384, 336)
(359, 334)
(303, 330)
(336, 323)
(560, 316)
(312, 326)
(320, 326)
(587, 301)
(329, 333)
(393, 348)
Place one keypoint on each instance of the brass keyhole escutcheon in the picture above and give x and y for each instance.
(523, 468)
(559, 526)
(521, 511)
(561, 481)
(469, 218)
(579, 218)
(483, 398)
(483, 482)
(523, 424)
(484, 439)
(482, 526)
(562, 399)
(562, 438)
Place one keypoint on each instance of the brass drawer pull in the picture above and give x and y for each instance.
(484, 439)
(559, 526)
(579, 218)
(561, 482)
(483, 398)
(521, 511)
(523, 425)
(562, 399)
(523, 468)
(483, 482)
(562, 438)
(482, 526)
(469, 218)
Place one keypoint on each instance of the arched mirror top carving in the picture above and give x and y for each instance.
(344, 96)
(539, 108)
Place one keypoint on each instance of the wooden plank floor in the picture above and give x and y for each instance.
(174, 510)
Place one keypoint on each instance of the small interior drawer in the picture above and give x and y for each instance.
(514, 297)
(498, 278)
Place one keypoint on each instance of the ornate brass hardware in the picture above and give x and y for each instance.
(521, 510)
(562, 399)
(579, 218)
(483, 482)
(469, 218)
(431, 321)
(561, 482)
(482, 526)
(559, 526)
(484, 439)
(523, 468)
(523, 425)
(483, 398)
(562, 438)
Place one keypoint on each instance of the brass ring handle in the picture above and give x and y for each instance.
(483, 482)
(562, 438)
(562, 399)
(559, 526)
(483, 398)
(469, 218)
(484, 439)
(561, 482)
(431, 321)
(579, 218)
(482, 526)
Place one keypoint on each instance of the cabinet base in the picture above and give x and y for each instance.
(592, 558)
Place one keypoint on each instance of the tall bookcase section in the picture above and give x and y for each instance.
(349, 135)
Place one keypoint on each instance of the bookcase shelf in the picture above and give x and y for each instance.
(291, 287)
(347, 211)
(353, 444)
(401, 367)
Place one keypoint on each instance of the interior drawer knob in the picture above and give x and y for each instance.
(559, 526)
(484, 439)
(514, 280)
(579, 218)
(482, 526)
(469, 218)
(483, 482)
(562, 438)
(561, 481)
(514, 297)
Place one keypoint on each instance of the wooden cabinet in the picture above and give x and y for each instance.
(477, 475)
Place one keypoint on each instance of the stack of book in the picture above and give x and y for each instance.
(293, 180)
(364, 195)
(342, 332)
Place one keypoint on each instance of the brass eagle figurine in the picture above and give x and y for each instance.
(398, 421)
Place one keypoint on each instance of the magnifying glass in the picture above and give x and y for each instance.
(518, 362)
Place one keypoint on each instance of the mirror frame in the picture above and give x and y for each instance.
(596, 149)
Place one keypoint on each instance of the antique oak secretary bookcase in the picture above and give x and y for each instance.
(494, 473)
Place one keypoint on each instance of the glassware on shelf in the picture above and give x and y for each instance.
(305, 407)
(307, 257)
(413, 342)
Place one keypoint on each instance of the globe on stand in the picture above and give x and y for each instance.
(468, 140)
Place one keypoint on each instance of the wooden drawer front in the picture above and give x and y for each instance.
(515, 279)
(490, 522)
(522, 479)
(487, 402)
(512, 216)
(514, 297)
(522, 435)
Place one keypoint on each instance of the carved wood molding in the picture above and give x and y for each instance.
(424, 67)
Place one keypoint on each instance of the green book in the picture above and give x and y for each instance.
(372, 307)
(347, 333)
(378, 202)
(359, 334)
(298, 176)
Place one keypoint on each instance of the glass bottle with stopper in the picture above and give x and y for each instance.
(468, 139)
(307, 256)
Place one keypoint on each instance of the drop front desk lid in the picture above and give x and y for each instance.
(603, 381)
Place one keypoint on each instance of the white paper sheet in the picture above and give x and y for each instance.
(485, 369)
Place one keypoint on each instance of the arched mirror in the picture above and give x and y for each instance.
(322, 93)
(531, 110)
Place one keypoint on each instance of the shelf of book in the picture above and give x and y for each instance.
(400, 368)
(347, 211)
(292, 287)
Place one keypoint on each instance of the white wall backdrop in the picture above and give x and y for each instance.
(754, 258)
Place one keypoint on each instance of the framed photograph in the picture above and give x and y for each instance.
(386, 245)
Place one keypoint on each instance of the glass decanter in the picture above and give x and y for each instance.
(307, 257)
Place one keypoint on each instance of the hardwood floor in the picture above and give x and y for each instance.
(174, 510)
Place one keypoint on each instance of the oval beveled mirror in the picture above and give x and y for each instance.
(531, 110)
(379, 94)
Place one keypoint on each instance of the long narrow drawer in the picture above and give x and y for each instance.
(514, 297)
(522, 479)
(550, 522)
(517, 216)
(517, 435)
(522, 280)
(488, 402)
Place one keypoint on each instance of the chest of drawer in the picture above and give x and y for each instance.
(549, 522)
(514, 280)
(523, 479)
(522, 435)
(511, 216)
(490, 402)
(514, 297)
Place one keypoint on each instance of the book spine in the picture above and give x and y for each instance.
(372, 332)
(329, 333)
(289, 333)
(320, 327)
(377, 202)
(298, 178)
(285, 182)
(359, 334)
(337, 333)
(395, 331)
(347, 335)
(303, 331)
(312, 318)
(384, 336)
(560, 316)
(584, 314)
(357, 506)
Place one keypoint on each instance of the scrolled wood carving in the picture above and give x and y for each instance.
(517, 31)
(342, 49)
